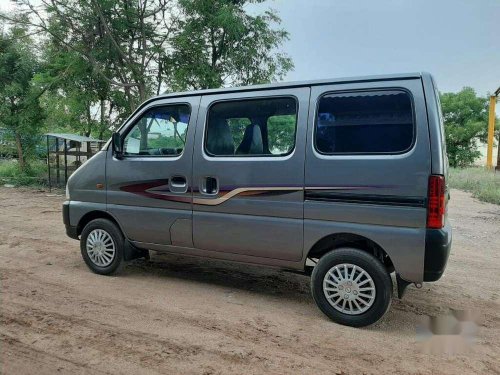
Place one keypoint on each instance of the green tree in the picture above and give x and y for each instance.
(78, 99)
(466, 122)
(104, 57)
(219, 44)
(281, 130)
(121, 41)
(20, 110)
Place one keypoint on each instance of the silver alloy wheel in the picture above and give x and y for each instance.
(349, 289)
(100, 247)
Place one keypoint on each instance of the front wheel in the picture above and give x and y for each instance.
(351, 287)
(101, 245)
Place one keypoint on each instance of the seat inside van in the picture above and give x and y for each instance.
(252, 127)
(252, 141)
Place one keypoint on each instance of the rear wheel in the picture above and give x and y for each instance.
(101, 245)
(352, 287)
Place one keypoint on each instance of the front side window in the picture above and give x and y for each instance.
(371, 122)
(160, 131)
(254, 127)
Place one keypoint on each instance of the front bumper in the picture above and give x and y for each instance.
(437, 251)
(71, 231)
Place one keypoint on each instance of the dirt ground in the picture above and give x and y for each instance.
(178, 315)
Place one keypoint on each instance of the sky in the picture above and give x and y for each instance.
(458, 41)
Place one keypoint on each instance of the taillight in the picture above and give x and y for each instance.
(436, 205)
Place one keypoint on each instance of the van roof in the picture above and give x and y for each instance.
(283, 85)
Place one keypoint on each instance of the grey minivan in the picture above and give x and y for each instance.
(342, 179)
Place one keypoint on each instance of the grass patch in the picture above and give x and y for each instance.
(35, 175)
(484, 184)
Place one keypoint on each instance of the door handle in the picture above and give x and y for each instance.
(209, 186)
(177, 184)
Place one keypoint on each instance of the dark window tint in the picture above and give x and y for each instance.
(256, 127)
(160, 131)
(364, 123)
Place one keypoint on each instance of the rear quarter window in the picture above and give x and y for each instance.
(368, 122)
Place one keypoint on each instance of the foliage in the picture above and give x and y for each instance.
(20, 110)
(120, 42)
(34, 175)
(281, 130)
(466, 121)
(219, 44)
(238, 126)
(171, 142)
(77, 99)
(482, 183)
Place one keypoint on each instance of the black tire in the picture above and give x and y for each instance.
(112, 229)
(370, 264)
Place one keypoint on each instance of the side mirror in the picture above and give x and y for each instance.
(116, 142)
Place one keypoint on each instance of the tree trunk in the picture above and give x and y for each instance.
(130, 100)
(102, 122)
(89, 121)
(20, 152)
(144, 134)
(159, 78)
(142, 91)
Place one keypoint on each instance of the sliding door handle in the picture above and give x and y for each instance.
(209, 186)
(178, 184)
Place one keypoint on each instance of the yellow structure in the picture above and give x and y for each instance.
(491, 132)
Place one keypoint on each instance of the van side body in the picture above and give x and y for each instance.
(275, 206)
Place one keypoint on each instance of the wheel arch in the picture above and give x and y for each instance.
(96, 214)
(345, 239)
(130, 251)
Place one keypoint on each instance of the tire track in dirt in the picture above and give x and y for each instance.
(19, 358)
(258, 332)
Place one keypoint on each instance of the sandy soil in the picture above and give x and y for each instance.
(185, 315)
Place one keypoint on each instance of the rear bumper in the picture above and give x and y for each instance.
(437, 251)
(71, 231)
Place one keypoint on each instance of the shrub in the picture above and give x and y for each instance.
(34, 175)
(482, 183)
